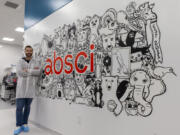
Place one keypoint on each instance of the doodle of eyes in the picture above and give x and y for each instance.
(108, 20)
(135, 79)
(129, 106)
(106, 80)
(112, 24)
(145, 81)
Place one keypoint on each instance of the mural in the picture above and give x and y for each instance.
(128, 71)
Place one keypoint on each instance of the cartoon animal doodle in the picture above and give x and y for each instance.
(128, 72)
(109, 41)
(110, 99)
(141, 81)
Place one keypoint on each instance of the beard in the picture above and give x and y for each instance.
(28, 54)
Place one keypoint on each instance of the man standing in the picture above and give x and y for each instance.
(28, 72)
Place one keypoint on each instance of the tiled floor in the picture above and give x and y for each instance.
(7, 122)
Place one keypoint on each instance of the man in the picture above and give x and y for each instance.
(28, 71)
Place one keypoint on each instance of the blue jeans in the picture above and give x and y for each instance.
(23, 106)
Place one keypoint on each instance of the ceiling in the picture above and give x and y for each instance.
(10, 19)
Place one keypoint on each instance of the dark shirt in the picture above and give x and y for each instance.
(26, 60)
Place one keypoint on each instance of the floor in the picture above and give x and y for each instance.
(7, 122)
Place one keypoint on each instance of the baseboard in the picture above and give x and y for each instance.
(45, 128)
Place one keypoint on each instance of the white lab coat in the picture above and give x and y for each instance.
(27, 83)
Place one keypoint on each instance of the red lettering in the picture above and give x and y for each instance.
(92, 58)
(55, 60)
(69, 64)
(48, 66)
(76, 60)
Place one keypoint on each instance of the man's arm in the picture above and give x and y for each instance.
(36, 71)
(22, 72)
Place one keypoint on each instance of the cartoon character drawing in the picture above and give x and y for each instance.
(110, 99)
(70, 90)
(141, 81)
(82, 39)
(109, 41)
(94, 26)
(71, 38)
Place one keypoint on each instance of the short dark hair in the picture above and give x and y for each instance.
(28, 46)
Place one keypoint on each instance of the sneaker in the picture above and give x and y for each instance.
(25, 128)
(17, 131)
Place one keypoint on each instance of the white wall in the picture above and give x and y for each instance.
(9, 54)
(75, 119)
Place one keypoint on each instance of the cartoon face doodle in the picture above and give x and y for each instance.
(109, 87)
(95, 22)
(109, 84)
(82, 35)
(146, 12)
(109, 41)
(79, 78)
(141, 81)
(140, 78)
(109, 17)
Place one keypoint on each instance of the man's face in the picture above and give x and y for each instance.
(28, 52)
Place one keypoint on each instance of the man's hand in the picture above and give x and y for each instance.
(36, 68)
(25, 70)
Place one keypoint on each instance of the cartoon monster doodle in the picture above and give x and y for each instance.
(141, 81)
(110, 99)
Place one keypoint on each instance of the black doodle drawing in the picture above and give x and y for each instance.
(120, 62)
(128, 71)
(98, 94)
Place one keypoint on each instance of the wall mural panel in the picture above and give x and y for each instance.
(127, 71)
